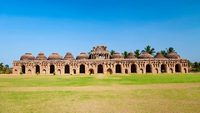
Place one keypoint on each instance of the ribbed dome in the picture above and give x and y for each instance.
(41, 56)
(159, 55)
(82, 56)
(117, 56)
(55, 56)
(27, 56)
(68, 56)
(145, 55)
(173, 55)
(130, 55)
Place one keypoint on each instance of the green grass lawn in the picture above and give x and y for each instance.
(164, 93)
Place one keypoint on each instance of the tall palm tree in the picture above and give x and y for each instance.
(149, 50)
(125, 54)
(170, 49)
(112, 52)
(137, 53)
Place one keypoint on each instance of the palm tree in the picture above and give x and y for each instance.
(125, 54)
(163, 52)
(149, 50)
(170, 49)
(112, 52)
(137, 53)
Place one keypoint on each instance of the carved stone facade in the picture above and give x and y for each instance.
(99, 61)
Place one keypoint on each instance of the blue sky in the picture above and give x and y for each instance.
(78, 25)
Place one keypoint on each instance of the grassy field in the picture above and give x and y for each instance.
(173, 93)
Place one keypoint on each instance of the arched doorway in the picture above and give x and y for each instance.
(185, 70)
(91, 71)
(148, 68)
(37, 69)
(59, 71)
(126, 71)
(163, 68)
(82, 69)
(177, 68)
(142, 71)
(67, 69)
(133, 68)
(74, 70)
(109, 71)
(52, 69)
(171, 70)
(100, 68)
(23, 69)
(44, 71)
(118, 68)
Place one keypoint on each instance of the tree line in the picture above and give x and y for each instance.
(5, 69)
(147, 49)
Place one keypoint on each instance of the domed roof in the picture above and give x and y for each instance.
(68, 56)
(130, 55)
(55, 56)
(82, 56)
(27, 56)
(117, 56)
(173, 55)
(159, 55)
(41, 56)
(145, 55)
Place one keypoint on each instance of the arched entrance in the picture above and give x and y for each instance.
(100, 68)
(118, 68)
(67, 69)
(74, 70)
(148, 68)
(126, 71)
(177, 68)
(91, 71)
(82, 69)
(44, 71)
(133, 68)
(171, 70)
(23, 69)
(163, 68)
(59, 71)
(52, 69)
(37, 69)
(185, 70)
(109, 71)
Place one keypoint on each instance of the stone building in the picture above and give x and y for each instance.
(99, 61)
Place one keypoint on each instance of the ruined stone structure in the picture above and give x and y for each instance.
(99, 61)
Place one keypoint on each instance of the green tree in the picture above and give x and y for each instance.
(112, 52)
(137, 53)
(170, 49)
(163, 52)
(125, 54)
(149, 50)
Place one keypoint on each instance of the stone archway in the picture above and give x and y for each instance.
(91, 71)
(177, 68)
(37, 69)
(74, 71)
(126, 71)
(109, 71)
(59, 71)
(23, 69)
(185, 70)
(118, 68)
(67, 69)
(133, 68)
(44, 71)
(52, 69)
(148, 68)
(82, 69)
(100, 68)
(163, 68)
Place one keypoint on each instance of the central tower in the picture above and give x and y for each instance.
(100, 52)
